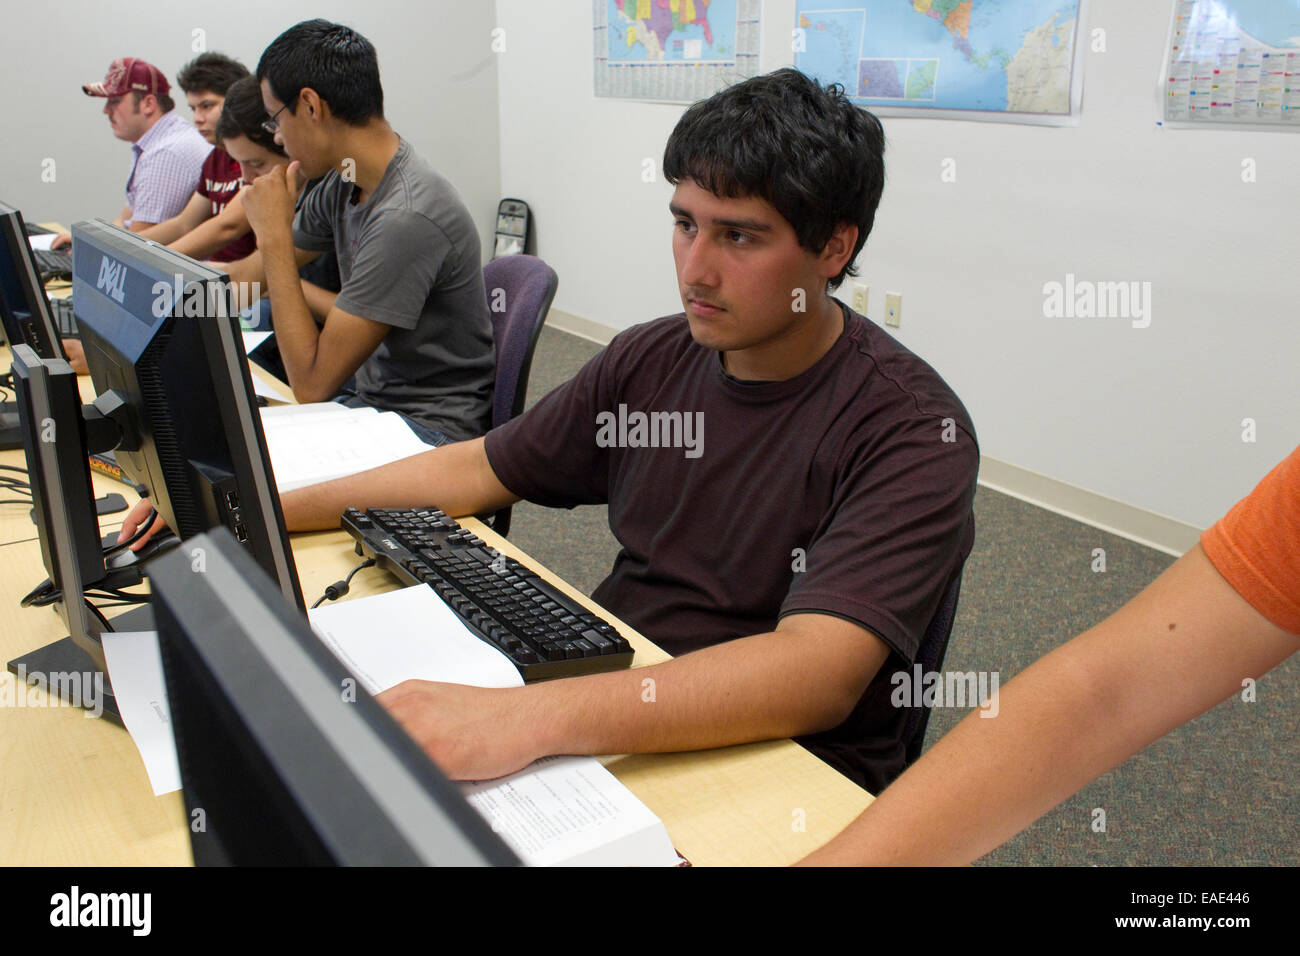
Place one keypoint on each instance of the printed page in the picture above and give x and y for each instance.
(571, 811)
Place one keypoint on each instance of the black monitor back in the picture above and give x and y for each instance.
(50, 410)
(285, 760)
(160, 334)
(24, 309)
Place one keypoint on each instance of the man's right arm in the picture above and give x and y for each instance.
(217, 231)
(1174, 651)
(251, 268)
(456, 478)
(188, 219)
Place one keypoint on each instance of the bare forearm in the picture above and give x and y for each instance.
(987, 779)
(296, 331)
(248, 270)
(763, 687)
(319, 300)
(207, 238)
(1174, 651)
(450, 478)
(166, 232)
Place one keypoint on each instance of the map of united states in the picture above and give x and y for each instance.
(651, 24)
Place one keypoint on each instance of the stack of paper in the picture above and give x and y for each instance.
(319, 442)
(559, 811)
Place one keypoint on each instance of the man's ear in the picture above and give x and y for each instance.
(838, 251)
(309, 100)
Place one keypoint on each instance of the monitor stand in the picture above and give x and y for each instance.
(66, 658)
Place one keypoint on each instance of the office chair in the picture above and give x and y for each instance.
(528, 285)
(930, 656)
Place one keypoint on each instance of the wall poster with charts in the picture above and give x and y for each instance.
(1232, 62)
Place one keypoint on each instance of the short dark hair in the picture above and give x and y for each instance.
(243, 115)
(164, 101)
(335, 61)
(210, 73)
(783, 137)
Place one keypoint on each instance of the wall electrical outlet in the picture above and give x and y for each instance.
(859, 303)
(893, 308)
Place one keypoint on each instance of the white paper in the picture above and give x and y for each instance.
(253, 339)
(42, 241)
(320, 444)
(571, 811)
(268, 391)
(409, 634)
(136, 673)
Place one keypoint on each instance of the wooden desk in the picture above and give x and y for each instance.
(74, 791)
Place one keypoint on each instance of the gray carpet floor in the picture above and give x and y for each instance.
(1220, 790)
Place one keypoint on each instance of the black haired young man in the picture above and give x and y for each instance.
(411, 321)
(205, 81)
(804, 535)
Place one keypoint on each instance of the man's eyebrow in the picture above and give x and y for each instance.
(752, 225)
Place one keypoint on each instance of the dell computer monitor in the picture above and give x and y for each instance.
(24, 309)
(165, 351)
(285, 758)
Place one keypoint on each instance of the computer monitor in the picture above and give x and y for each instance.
(23, 306)
(164, 347)
(24, 311)
(55, 441)
(285, 760)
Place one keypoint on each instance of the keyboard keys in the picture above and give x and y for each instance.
(544, 633)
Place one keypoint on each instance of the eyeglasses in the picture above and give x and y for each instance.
(270, 125)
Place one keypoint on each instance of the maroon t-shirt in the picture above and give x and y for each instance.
(219, 180)
(847, 490)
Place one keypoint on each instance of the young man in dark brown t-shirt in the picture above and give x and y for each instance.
(791, 488)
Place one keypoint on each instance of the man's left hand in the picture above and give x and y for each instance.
(471, 733)
(269, 200)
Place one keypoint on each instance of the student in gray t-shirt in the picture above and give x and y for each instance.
(409, 257)
(411, 322)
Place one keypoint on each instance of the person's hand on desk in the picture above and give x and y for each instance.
(61, 240)
(471, 733)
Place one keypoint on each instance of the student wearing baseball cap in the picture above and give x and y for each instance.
(167, 152)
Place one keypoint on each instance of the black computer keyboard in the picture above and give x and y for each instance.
(64, 318)
(543, 632)
(53, 263)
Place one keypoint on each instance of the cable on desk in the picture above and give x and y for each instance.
(21, 471)
(340, 588)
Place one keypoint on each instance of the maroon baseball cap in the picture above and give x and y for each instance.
(128, 75)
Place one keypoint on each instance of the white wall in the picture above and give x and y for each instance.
(1150, 417)
(440, 87)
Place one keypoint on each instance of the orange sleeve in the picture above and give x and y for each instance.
(1256, 545)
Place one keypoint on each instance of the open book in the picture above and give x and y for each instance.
(560, 811)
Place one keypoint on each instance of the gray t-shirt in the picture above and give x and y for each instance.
(409, 257)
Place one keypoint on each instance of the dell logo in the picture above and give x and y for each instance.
(112, 279)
